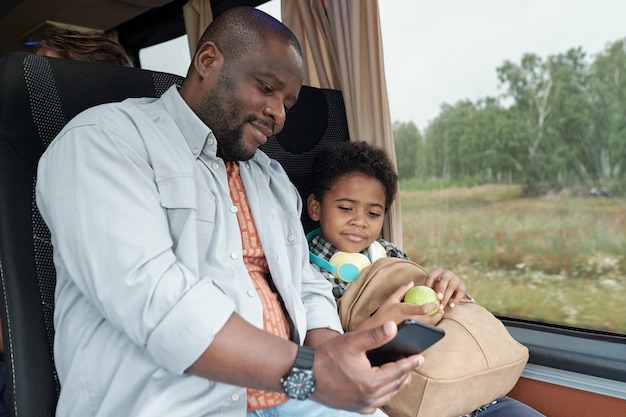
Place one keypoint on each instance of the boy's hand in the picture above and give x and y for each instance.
(449, 287)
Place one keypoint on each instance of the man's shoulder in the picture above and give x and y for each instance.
(115, 112)
(129, 120)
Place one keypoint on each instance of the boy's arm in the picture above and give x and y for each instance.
(397, 311)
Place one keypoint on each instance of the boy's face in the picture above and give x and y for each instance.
(350, 214)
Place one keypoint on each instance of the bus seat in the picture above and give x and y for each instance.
(318, 117)
(38, 96)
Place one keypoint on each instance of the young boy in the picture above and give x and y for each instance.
(353, 185)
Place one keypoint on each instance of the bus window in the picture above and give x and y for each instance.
(176, 52)
(523, 198)
(510, 150)
(272, 8)
(173, 56)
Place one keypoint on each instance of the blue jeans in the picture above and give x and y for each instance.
(504, 407)
(508, 407)
(308, 408)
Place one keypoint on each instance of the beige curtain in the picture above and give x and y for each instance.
(342, 47)
(308, 22)
(197, 14)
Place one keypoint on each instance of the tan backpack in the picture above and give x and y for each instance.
(475, 363)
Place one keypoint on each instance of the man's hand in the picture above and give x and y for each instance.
(345, 378)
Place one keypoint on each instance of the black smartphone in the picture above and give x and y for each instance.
(413, 337)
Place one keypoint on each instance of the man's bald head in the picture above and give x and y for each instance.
(243, 29)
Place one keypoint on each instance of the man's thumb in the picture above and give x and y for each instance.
(380, 335)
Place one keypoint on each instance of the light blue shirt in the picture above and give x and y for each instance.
(149, 264)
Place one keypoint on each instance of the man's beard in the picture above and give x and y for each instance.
(218, 111)
(230, 145)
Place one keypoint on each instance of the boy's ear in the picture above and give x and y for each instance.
(313, 208)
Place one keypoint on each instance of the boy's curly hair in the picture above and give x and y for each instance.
(339, 159)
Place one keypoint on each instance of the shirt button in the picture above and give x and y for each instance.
(233, 209)
(195, 152)
(250, 293)
(210, 141)
(291, 238)
(233, 256)
(215, 165)
(234, 397)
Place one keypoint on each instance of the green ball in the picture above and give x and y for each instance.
(422, 295)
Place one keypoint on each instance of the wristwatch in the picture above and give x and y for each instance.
(299, 382)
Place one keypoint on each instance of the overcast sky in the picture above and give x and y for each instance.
(443, 51)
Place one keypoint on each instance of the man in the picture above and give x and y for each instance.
(183, 281)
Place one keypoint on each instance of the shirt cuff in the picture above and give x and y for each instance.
(190, 327)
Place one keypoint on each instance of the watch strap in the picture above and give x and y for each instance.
(299, 383)
(304, 358)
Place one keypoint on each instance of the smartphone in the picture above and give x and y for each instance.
(413, 337)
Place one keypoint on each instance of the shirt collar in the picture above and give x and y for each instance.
(195, 132)
(322, 248)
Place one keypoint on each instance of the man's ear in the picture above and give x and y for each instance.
(207, 59)
(313, 208)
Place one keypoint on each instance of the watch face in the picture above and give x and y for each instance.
(299, 384)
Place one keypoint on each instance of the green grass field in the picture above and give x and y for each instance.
(556, 258)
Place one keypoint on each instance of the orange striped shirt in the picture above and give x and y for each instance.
(274, 319)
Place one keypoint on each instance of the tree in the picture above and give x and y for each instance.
(608, 110)
(551, 98)
(565, 125)
(407, 140)
(530, 86)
